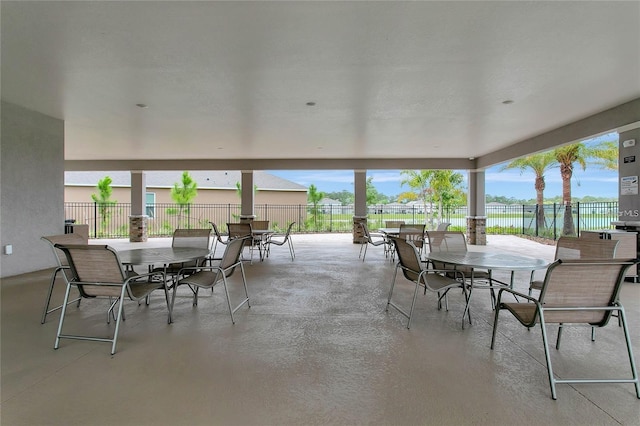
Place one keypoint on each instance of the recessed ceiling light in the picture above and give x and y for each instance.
(507, 102)
(311, 103)
(142, 105)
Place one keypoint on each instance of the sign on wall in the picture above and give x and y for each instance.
(629, 185)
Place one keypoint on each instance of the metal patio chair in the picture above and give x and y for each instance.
(210, 275)
(96, 271)
(415, 270)
(63, 267)
(574, 291)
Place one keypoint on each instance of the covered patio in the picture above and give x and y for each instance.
(316, 347)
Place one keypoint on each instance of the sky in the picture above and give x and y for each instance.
(509, 183)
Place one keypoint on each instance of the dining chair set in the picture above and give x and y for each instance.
(261, 236)
(406, 231)
(581, 287)
(97, 272)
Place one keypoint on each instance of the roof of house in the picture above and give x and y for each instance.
(206, 179)
(329, 201)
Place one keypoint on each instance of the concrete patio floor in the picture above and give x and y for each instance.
(316, 347)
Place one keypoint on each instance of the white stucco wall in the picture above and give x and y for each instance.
(31, 187)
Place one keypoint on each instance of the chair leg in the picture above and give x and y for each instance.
(46, 311)
(495, 323)
(119, 318)
(56, 345)
(634, 372)
(291, 250)
(547, 355)
(413, 304)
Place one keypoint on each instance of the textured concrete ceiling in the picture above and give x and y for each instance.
(388, 80)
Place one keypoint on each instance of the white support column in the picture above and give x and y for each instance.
(360, 202)
(138, 219)
(247, 199)
(477, 220)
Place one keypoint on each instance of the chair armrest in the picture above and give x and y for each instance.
(137, 277)
(516, 293)
(447, 271)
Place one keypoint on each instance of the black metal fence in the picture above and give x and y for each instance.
(112, 221)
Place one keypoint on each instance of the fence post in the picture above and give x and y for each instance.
(555, 235)
(95, 220)
(578, 219)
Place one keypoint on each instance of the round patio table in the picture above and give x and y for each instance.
(487, 261)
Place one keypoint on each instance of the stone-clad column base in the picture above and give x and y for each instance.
(358, 236)
(477, 230)
(138, 232)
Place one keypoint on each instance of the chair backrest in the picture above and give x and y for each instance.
(262, 225)
(216, 233)
(447, 241)
(585, 248)
(408, 258)
(63, 239)
(443, 226)
(232, 254)
(239, 230)
(582, 283)
(199, 238)
(413, 233)
(393, 223)
(95, 269)
(286, 235)
(365, 231)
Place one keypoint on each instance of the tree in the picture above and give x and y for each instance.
(606, 155)
(345, 197)
(420, 181)
(539, 163)
(567, 156)
(183, 193)
(447, 190)
(104, 201)
(314, 196)
(373, 196)
(603, 154)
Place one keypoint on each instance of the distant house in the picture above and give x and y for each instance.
(328, 205)
(214, 187)
(217, 198)
(496, 207)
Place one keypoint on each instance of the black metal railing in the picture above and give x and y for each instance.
(112, 221)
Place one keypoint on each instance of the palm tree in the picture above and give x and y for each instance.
(606, 154)
(420, 180)
(539, 163)
(567, 156)
(446, 185)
